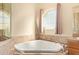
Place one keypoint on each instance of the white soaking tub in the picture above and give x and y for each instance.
(39, 46)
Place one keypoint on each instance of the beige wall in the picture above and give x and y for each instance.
(23, 16)
(46, 6)
(67, 17)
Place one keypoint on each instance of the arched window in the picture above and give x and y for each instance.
(49, 21)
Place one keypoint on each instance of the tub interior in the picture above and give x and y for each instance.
(39, 45)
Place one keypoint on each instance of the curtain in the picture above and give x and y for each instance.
(38, 23)
(58, 23)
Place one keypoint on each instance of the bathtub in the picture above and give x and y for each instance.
(39, 46)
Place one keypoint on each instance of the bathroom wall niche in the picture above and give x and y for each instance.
(5, 17)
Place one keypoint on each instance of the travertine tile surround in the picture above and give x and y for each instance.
(55, 38)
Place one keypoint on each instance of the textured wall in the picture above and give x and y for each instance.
(56, 38)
